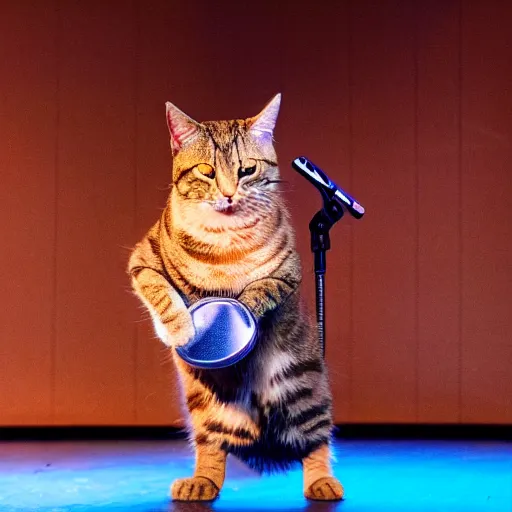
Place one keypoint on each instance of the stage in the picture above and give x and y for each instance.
(134, 476)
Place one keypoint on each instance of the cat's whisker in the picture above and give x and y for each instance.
(126, 248)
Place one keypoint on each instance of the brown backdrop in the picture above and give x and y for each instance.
(406, 104)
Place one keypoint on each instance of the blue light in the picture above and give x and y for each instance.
(381, 476)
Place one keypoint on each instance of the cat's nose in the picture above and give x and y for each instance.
(230, 200)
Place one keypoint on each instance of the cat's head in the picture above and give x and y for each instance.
(223, 167)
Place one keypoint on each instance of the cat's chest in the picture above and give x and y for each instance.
(230, 277)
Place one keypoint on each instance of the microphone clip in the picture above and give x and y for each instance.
(319, 227)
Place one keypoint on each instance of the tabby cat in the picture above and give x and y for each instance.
(225, 231)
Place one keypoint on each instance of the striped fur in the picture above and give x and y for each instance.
(225, 231)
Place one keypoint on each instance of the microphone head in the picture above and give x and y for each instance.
(327, 187)
(313, 174)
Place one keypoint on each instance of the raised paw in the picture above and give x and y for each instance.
(326, 489)
(197, 488)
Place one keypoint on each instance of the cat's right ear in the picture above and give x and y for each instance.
(264, 123)
(182, 128)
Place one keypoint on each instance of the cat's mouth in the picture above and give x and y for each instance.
(228, 208)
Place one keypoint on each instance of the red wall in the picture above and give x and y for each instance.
(405, 104)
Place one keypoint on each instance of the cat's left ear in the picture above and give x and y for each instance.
(265, 122)
(182, 128)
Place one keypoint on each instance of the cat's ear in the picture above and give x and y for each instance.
(182, 128)
(264, 123)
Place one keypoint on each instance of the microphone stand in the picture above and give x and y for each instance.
(335, 200)
(319, 227)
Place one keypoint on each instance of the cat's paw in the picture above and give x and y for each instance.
(181, 330)
(183, 336)
(197, 488)
(326, 489)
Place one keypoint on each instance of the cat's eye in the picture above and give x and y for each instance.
(246, 171)
(206, 170)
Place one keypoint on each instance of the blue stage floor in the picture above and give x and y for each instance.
(134, 476)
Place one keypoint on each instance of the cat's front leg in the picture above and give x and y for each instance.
(171, 319)
(267, 294)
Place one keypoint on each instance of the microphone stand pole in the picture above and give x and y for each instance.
(319, 227)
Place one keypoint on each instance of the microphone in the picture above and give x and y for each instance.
(327, 187)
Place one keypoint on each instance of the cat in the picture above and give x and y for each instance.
(226, 232)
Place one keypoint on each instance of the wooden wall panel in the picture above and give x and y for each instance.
(437, 129)
(405, 104)
(237, 60)
(28, 118)
(315, 115)
(486, 212)
(157, 393)
(95, 332)
(384, 177)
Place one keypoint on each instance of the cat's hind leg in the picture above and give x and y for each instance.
(319, 483)
(213, 437)
(216, 428)
(208, 476)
